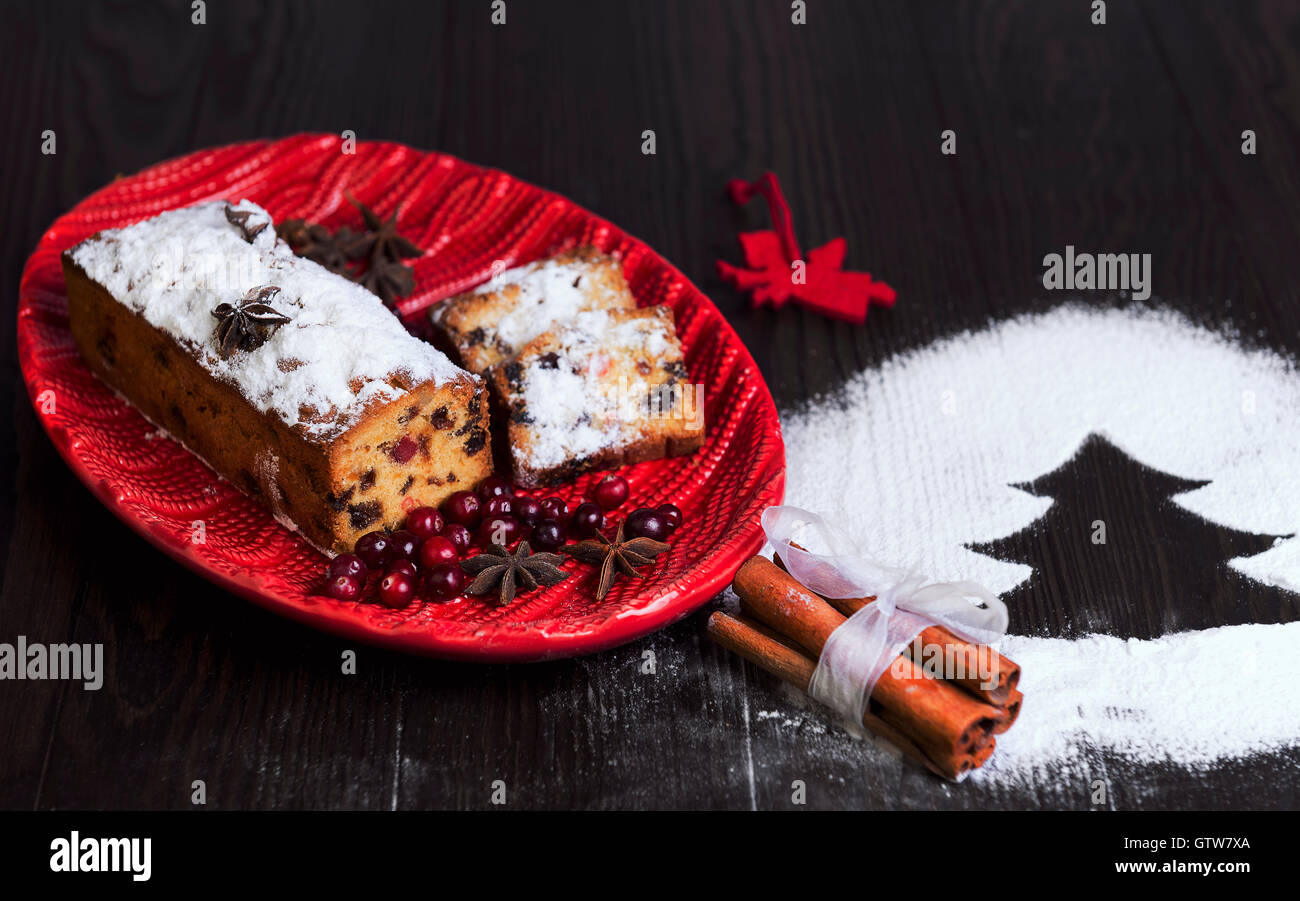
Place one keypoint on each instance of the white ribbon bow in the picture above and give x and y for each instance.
(857, 653)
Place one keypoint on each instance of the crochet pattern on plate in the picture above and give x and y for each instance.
(952, 426)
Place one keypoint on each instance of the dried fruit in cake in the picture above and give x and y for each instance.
(492, 323)
(605, 389)
(302, 389)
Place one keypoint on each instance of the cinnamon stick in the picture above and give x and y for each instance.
(769, 651)
(1012, 709)
(1004, 670)
(946, 723)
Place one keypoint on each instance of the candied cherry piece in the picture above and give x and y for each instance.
(348, 565)
(547, 535)
(396, 590)
(403, 450)
(375, 549)
(494, 486)
(424, 522)
(588, 519)
(459, 536)
(672, 515)
(646, 523)
(445, 581)
(465, 508)
(610, 492)
(438, 549)
(343, 588)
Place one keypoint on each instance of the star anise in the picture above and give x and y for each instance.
(316, 243)
(506, 572)
(247, 326)
(381, 240)
(239, 219)
(614, 557)
(381, 249)
(388, 279)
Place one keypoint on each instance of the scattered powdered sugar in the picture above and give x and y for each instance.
(915, 458)
(550, 291)
(320, 371)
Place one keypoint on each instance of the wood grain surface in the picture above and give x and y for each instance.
(1124, 136)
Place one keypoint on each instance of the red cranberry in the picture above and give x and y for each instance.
(502, 530)
(344, 588)
(555, 508)
(646, 523)
(465, 508)
(438, 549)
(402, 566)
(499, 506)
(375, 549)
(445, 581)
(404, 449)
(396, 589)
(494, 486)
(425, 522)
(587, 519)
(528, 510)
(405, 544)
(459, 536)
(547, 535)
(610, 492)
(348, 565)
(672, 515)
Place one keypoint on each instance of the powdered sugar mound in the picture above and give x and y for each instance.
(320, 371)
(926, 445)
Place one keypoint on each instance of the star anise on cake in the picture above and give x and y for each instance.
(239, 219)
(615, 557)
(506, 573)
(318, 244)
(248, 325)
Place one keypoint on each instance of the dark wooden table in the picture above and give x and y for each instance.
(1123, 136)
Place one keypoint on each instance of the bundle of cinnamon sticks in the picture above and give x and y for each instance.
(947, 724)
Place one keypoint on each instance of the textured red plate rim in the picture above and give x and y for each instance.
(486, 641)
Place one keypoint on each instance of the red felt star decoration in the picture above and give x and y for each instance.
(779, 272)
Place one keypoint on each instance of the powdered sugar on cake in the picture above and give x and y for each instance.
(550, 291)
(320, 371)
(577, 413)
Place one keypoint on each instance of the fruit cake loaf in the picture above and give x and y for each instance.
(606, 389)
(293, 382)
(490, 324)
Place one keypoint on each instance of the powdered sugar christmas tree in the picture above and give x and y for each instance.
(1114, 527)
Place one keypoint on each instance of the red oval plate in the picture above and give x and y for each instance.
(468, 219)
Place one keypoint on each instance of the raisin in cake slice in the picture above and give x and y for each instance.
(492, 323)
(606, 389)
(293, 382)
